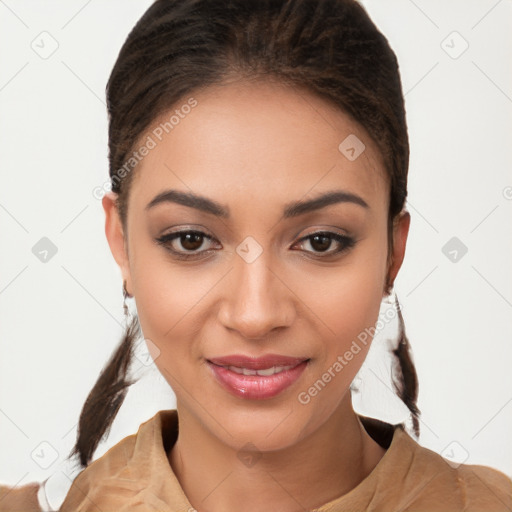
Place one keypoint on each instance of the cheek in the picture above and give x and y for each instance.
(170, 303)
(348, 304)
(357, 305)
(347, 298)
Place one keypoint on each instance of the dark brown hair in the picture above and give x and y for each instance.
(330, 48)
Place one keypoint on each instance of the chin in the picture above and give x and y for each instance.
(268, 428)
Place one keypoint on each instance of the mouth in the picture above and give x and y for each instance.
(257, 378)
(262, 373)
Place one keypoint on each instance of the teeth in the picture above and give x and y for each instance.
(267, 372)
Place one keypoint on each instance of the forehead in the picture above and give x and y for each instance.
(262, 139)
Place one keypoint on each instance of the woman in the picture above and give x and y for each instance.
(258, 162)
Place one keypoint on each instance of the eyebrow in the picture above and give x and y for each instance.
(293, 209)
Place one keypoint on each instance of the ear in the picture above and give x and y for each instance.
(115, 236)
(401, 225)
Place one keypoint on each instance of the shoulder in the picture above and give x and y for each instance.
(106, 472)
(483, 487)
(129, 475)
(112, 466)
(134, 474)
(435, 480)
(23, 498)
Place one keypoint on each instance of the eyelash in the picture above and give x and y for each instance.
(346, 241)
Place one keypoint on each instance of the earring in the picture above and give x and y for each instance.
(389, 290)
(401, 323)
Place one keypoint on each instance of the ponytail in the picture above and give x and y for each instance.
(106, 397)
(405, 379)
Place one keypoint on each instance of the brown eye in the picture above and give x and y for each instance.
(320, 242)
(323, 240)
(191, 241)
(185, 244)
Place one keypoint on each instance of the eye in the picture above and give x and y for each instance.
(185, 244)
(321, 241)
(190, 243)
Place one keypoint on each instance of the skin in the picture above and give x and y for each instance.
(255, 147)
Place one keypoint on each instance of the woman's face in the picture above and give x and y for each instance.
(251, 283)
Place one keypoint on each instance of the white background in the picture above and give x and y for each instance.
(61, 320)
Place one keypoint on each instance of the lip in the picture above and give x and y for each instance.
(256, 387)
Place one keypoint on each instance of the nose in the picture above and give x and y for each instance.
(257, 299)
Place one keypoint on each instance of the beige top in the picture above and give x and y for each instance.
(135, 475)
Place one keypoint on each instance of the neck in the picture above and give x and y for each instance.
(320, 468)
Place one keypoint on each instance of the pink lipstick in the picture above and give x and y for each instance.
(257, 378)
